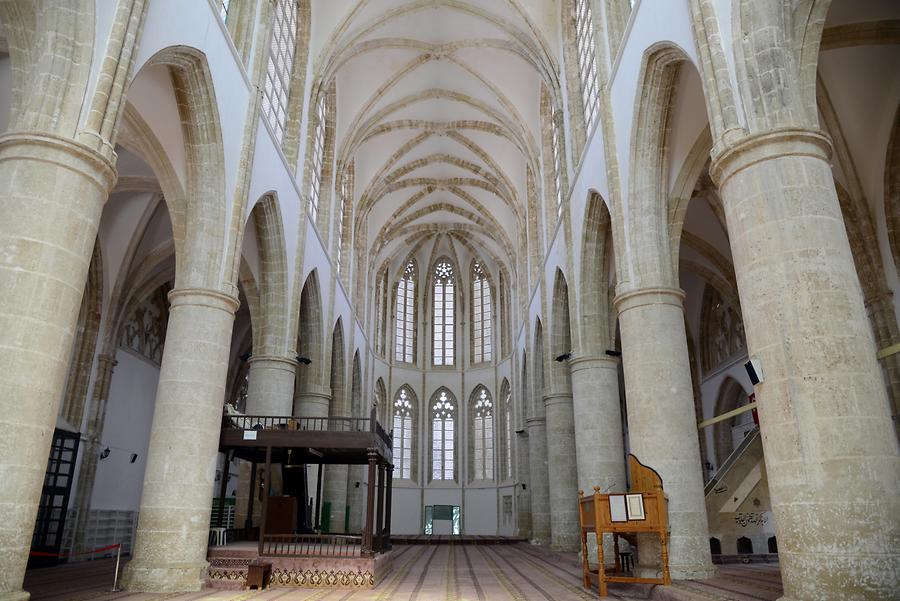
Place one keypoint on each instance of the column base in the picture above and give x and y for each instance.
(15, 596)
(145, 577)
(693, 572)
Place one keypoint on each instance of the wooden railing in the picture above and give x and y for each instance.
(277, 422)
(311, 545)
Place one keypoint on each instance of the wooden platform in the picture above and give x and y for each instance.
(228, 569)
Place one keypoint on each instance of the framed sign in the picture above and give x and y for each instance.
(635, 505)
(617, 510)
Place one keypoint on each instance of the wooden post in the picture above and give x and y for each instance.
(370, 506)
(220, 519)
(248, 521)
(268, 480)
(379, 528)
(387, 507)
(585, 567)
(318, 526)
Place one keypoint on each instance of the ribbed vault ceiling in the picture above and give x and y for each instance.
(438, 109)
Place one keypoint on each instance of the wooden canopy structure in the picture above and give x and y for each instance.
(295, 442)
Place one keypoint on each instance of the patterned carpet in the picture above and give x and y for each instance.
(517, 572)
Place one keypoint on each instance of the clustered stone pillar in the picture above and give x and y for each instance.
(662, 430)
(562, 471)
(52, 192)
(831, 454)
(539, 481)
(598, 431)
(173, 527)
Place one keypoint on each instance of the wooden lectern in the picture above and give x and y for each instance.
(641, 510)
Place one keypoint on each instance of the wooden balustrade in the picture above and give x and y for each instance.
(312, 545)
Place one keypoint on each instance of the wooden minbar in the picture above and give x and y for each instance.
(642, 510)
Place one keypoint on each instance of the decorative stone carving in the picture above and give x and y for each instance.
(145, 331)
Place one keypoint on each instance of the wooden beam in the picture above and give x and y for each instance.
(724, 416)
(887, 352)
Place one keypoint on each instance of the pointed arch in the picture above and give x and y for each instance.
(310, 335)
(356, 399)
(540, 370)
(205, 159)
(382, 403)
(443, 412)
(273, 276)
(405, 411)
(338, 379)
(561, 335)
(596, 262)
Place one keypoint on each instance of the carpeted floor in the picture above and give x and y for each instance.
(516, 572)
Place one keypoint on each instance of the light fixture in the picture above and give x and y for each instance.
(133, 457)
(104, 453)
(304, 360)
(564, 357)
(613, 352)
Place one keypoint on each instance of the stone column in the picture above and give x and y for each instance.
(661, 426)
(539, 482)
(270, 386)
(523, 495)
(313, 402)
(336, 495)
(599, 446)
(173, 527)
(52, 192)
(562, 471)
(831, 454)
(270, 391)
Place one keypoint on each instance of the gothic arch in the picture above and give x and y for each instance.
(204, 156)
(482, 427)
(561, 336)
(338, 379)
(310, 344)
(596, 259)
(505, 419)
(383, 404)
(272, 276)
(356, 399)
(404, 424)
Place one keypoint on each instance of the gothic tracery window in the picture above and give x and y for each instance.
(483, 430)
(482, 314)
(404, 340)
(318, 159)
(277, 86)
(587, 61)
(443, 431)
(506, 431)
(403, 433)
(443, 333)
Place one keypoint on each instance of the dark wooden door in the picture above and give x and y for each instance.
(51, 515)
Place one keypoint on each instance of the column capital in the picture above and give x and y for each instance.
(203, 297)
(649, 296)
(557, 398)
(59, 150)
(588, 361)
(534, 422)
(764, 146)
(273, 361)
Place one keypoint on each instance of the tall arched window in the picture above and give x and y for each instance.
(277, 87)
(405, 338)
(444, 313)
(403, 433)
(223, 9)
(482, 314)
(345, 204)
(483, 432)
(443, 430)
(505, 431)
(587, 61)
(318, 158)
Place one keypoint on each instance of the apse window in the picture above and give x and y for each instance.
(404, 341)
(443, 429)
(403, 420)
(482, 318)
(444, 313)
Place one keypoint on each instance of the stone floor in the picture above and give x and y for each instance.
(516, 572)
